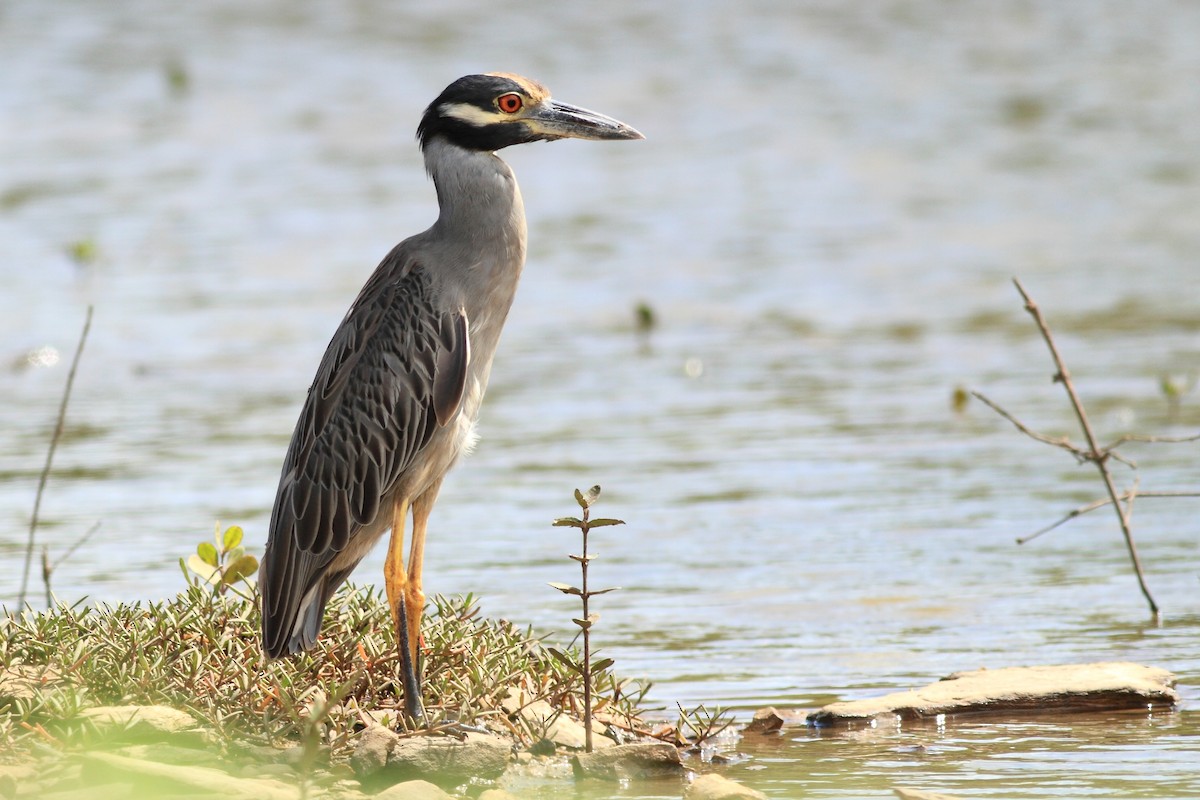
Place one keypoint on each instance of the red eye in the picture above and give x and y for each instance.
(509, 103)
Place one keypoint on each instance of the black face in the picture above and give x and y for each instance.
(485, 93)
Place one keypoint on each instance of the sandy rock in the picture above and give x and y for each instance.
(1013, 691)
(371, 751)
(100, 768)
(167, 753)
(921, 794)
(13, 776)
(447, 759)
(141, 723)
(766, 720)
(23, 681)
(712, 786)
(641, 760)
(497, 794)
(17, 772)
(413, 790)
(558, 727)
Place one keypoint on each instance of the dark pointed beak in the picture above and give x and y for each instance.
(555, 120)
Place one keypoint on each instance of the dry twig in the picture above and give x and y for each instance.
(1095, 454)
(1092, 453)
(1101, 503)
(58, 429)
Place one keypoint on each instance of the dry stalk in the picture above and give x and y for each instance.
(1094, 453)
(1122, 503)
(58, 429)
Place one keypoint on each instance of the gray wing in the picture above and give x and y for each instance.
(395, 368)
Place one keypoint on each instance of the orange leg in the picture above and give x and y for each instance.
(396, 580)
(414, 595)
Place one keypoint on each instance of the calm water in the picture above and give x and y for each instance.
(825, 217)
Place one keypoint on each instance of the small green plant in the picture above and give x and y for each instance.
(224, 563)
(585, 667)
(700, 726)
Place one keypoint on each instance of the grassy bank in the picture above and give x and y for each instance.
(199, 652)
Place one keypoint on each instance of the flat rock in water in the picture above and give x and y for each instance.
(1011, 691)
(712, 786)
(641, 760)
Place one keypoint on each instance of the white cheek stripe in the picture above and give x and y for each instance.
(471, 114)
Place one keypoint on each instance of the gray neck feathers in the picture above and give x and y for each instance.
(478, 197)
(478, 240)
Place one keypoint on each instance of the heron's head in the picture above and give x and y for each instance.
(488, 112)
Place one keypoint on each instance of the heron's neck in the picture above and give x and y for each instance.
(478, 197)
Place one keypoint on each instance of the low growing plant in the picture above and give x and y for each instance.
(200, 652)
(224, 564)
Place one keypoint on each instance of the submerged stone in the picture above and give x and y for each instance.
(712, 786)
(1015, 691)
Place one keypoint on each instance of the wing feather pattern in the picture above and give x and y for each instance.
(394, 370)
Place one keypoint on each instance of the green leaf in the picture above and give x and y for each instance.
(239, 569)
(595, 592)
(233, 554)
(602, 664)
(586, 500)
(564, 660)
(208, 572)
(232, 538)
(565, 589)
(207, 553)
(604, 523)
(567, 522)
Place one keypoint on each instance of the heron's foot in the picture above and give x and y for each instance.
(449, 726)
(414, 710)
(410, 668)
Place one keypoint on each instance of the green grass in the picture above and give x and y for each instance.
(199, 652)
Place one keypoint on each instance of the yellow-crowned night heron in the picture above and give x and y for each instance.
(396, 396)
